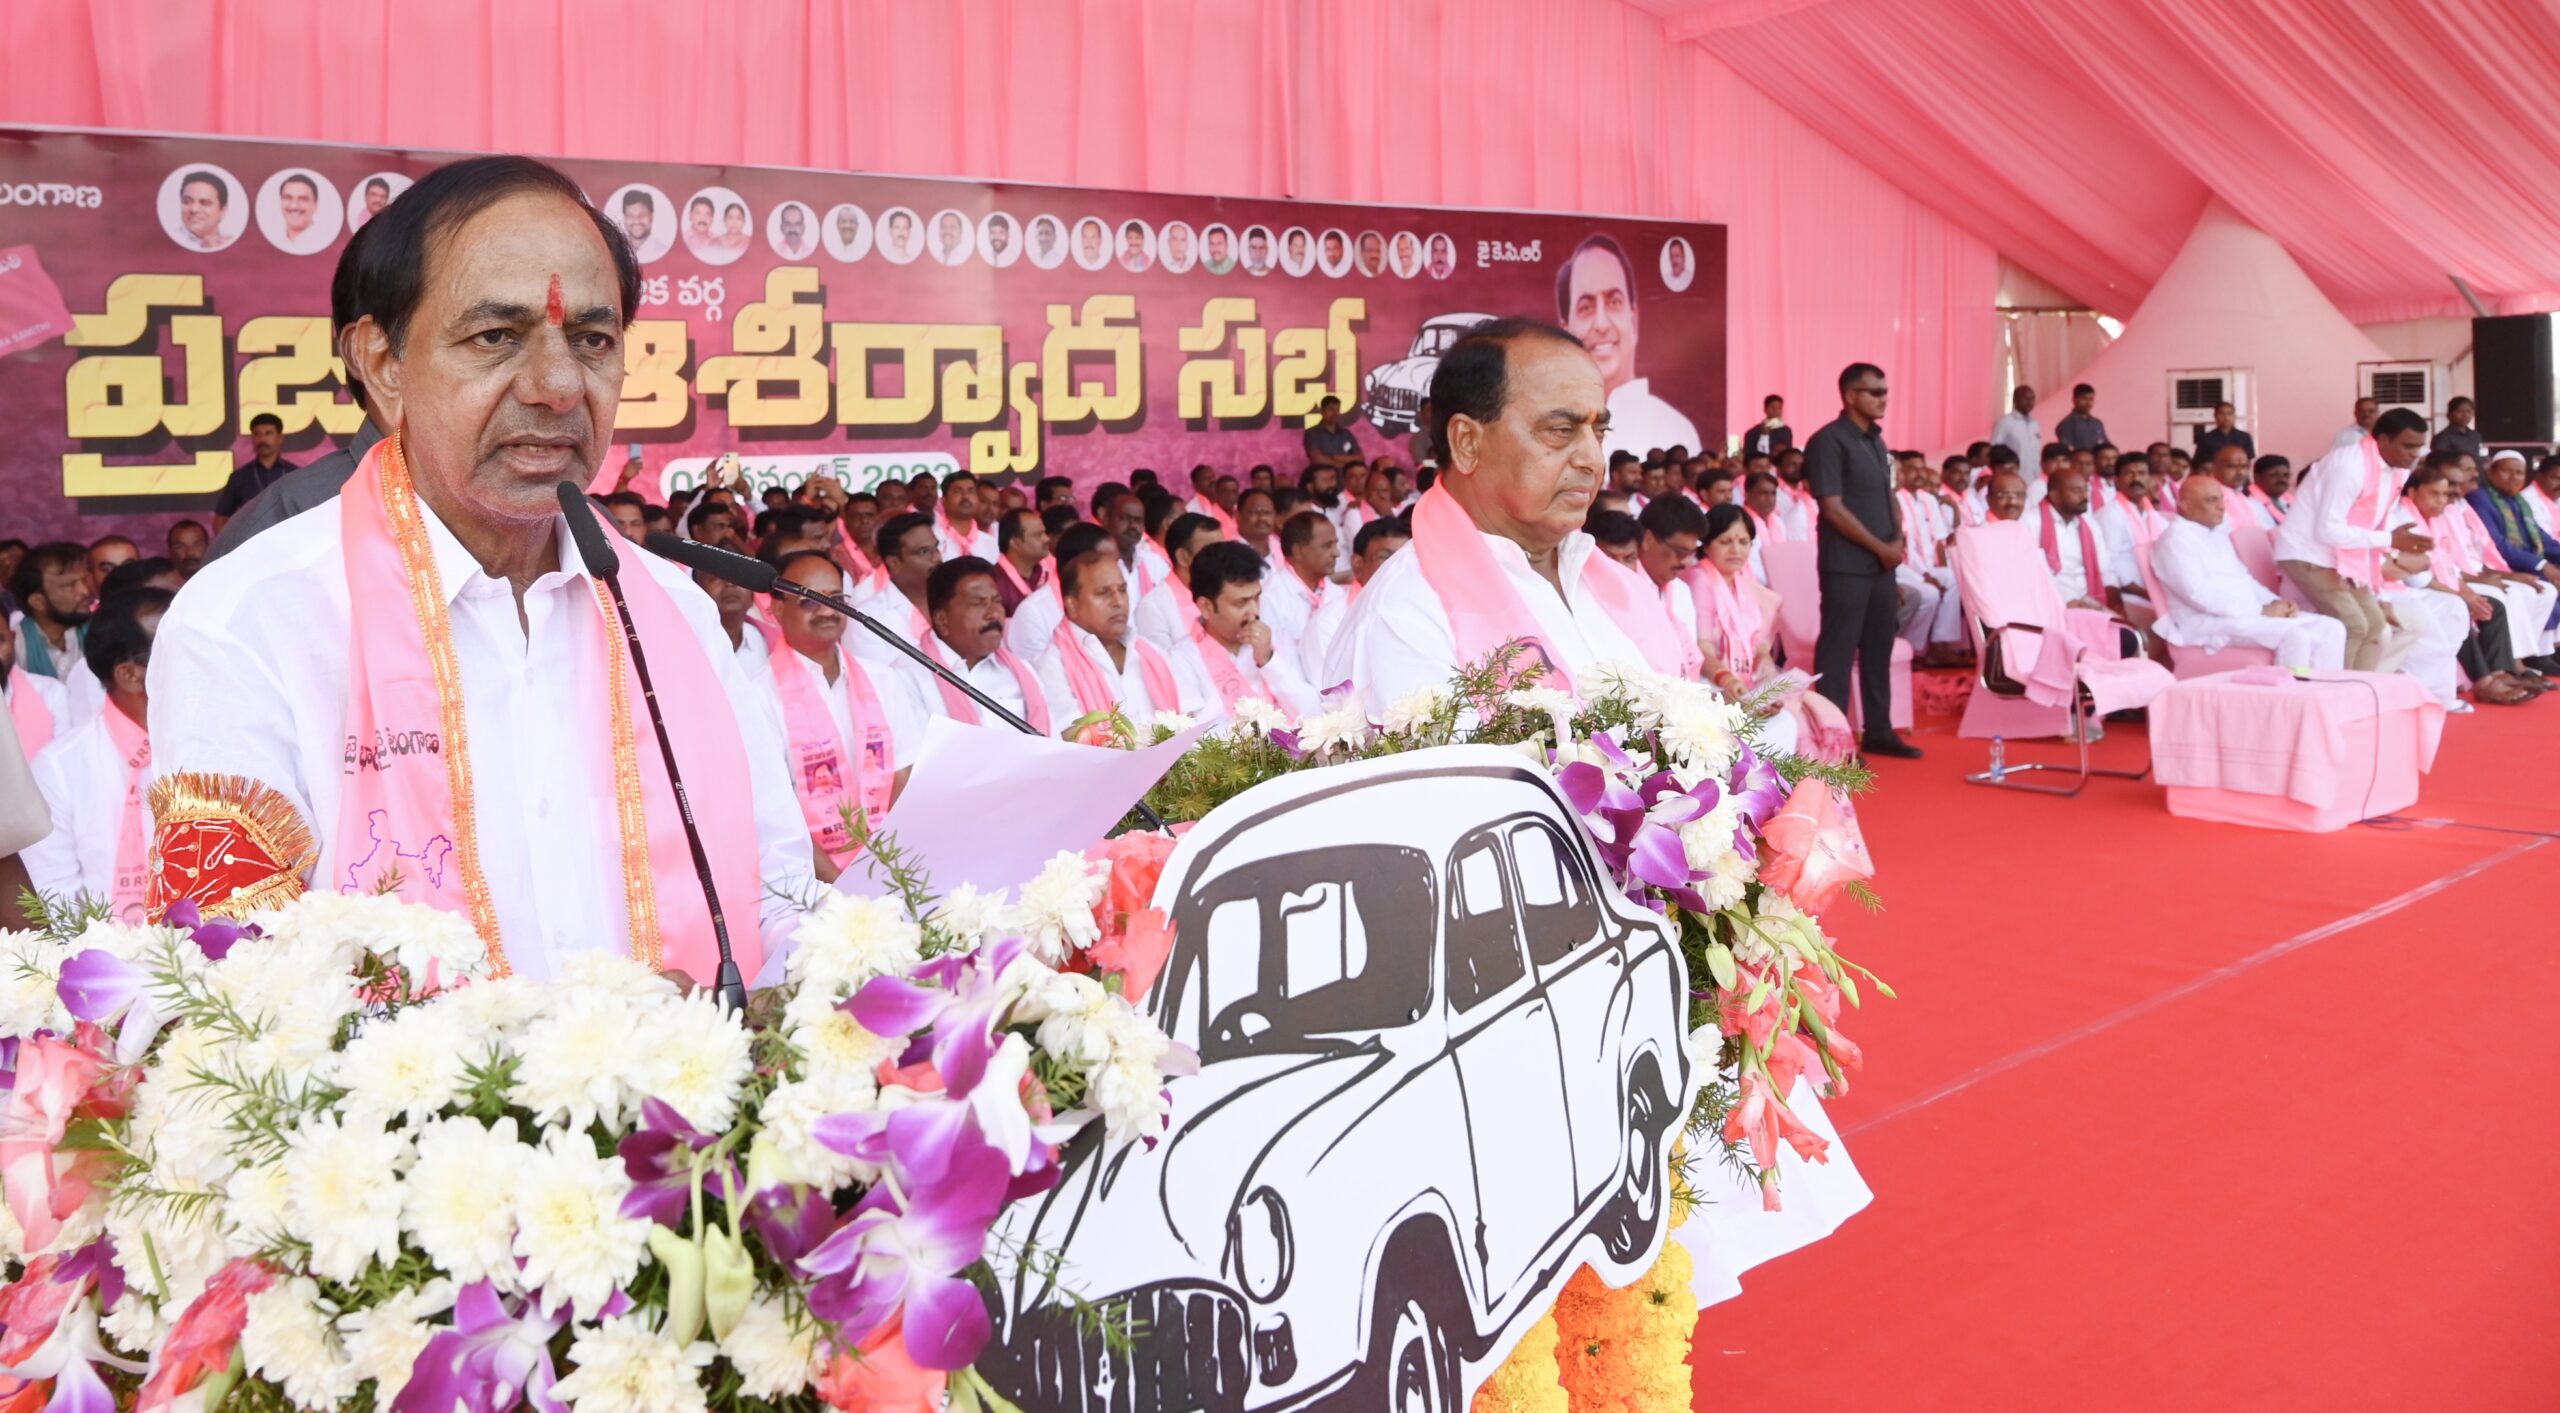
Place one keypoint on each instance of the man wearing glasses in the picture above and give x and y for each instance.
(1859, 539)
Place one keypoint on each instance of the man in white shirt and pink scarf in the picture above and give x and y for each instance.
(1520, 412)
(420, 687)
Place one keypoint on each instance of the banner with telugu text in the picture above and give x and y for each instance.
(865, 325)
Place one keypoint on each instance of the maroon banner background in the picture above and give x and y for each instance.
(784, 349)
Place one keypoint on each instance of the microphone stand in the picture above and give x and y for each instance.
(606, 565)
(755, 574)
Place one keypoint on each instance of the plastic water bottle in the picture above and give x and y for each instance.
(1999, 759)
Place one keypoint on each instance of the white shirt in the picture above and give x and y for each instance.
(899, 703)
(896, 612)
(1397, 636)
(1157, 616)
(1304, 622)
(1639, 422)
(2350, 437)
(2116, 534)
(2022, 434)
(1348, 516)
(81, 777)
(2071, 580)
(1034, 624)
(1683, 607)
(2204, 580)
(980, 542)
(249, 677)
(989, 676)
(1285, 683)
(2317, 529)
(1128, 684)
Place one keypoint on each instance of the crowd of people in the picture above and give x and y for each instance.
(414, 669)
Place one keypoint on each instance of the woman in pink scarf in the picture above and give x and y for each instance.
(1737, 626)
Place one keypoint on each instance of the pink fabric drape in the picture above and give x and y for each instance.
(1551, 105)
(2388, 143)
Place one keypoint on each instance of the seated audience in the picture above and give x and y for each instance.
(1163, 615)
(54, 590)
(1616, 532)
(1737, 636)
(1032, 630)
(2006, 497)
(2212, 600)
(967, 612)
(844, 725)
(1301, 604)
(907, 548)
(2465, 630)
(1929, 612)
(2271, 486)
(1096, 662)
(1671, 531)
(1231, 654)
(1376, 543)
(2530, 552)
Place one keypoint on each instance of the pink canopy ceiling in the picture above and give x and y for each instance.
(2388, 144)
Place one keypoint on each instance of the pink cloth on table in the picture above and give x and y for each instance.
(2289, 740)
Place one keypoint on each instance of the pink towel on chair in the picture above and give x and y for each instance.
(2003, 575)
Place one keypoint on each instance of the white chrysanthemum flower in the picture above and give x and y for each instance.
(1173, 723)
(789, 1139)
(773, 1359)
(458, 1216)
(185, 1245)
(1252, 717)
(295, 992)
(624, 1366)
(496, 1007)
(1557, 704)
(846, 941)
(343, 1195)
(123, 940)
(287, 1341)
(1345, 727)
(1725, 880)
(383, 1340)
(427, 943)
(578, 1059)
(613, 974)
(968, 914)
(253, 1203)
(698, 1056)
(833, 1046)
(1617, 678)
(576, 1244)
(1416, 709)
(30, 978)
(1055, 915)
(135, 1325)
(410, 1066)
(1703, 734)
(1076, 1018)
(1130, 1098)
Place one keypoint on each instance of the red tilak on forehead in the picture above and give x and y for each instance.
(553, 310)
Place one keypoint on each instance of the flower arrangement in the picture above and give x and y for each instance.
(256, 1162)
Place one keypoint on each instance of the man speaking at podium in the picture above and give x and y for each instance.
(419, 687)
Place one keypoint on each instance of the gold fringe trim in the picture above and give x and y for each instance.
(230, 844)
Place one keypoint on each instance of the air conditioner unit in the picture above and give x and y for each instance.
(2415, 386)
(2194, 391)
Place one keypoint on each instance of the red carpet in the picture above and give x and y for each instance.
(2175, 1115)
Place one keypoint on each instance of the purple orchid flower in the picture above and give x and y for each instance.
(907, 1249)
(1637, 828)
(792, 1221)
(99, 987)
(488, 1361)
(70, 1357)
(1758, 785)
(213, 938)
(958, 1001)
(661, 1177)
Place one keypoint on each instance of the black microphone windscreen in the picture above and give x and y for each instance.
(719, 563)
(595, 546)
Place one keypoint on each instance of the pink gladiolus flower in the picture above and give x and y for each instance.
(1813, 848)
(202, 1340)
(878, 1377)
(45, 1187)
(1762, 1117)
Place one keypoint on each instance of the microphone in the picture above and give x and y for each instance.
(595, 546)
(749, 572)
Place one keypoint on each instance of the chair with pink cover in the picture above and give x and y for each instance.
(1798, 584)
(2256, 547)
(2186, 662)
(2070, 664)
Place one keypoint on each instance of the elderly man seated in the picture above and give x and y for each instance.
(967, 611)
(2500, 510)
(2086, 570)
(2006, 498)
(1095, 662)
(2213, 600)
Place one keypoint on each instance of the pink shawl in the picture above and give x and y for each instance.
(829, 774)
(127, 894)
(409, 786)
(1729, 617)
(2050, 539)
(2371, 511)
(1223, 673)
(1093, 690)
(1485, 612)
(28, 712)
(958, 704)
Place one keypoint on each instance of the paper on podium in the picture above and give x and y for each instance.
(989, 805)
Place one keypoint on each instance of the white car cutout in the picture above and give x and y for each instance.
(1441, 1060)
(1391, 394)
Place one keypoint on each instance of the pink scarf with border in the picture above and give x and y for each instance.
(28, 712)
(1730, 615)
(2051, 540)
(827, 775)
(2371, 511)
(129, 892)
(1485, 612)
(1223, 672)
(1093, 689)
(408, 786)
(958, 705)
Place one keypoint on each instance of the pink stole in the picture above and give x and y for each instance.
(2274, 510)
(2484, 545)
(2371, 511)
(1729, 614)
(409, 787)
(28, 712)
(1771, 529)
(1093, 690)
(856, 563)
(1202, 505)
(1013, 576)
(1223, 672)
(2052, 542)
(1920, 527)
(133, 851)
(961, 707)
(826, 775)
(2550, 516)
(1485, 612)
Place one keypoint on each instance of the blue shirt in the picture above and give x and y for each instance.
(2521, 539)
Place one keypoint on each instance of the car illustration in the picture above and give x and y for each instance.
(1441, 1059)
(1391, 394)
